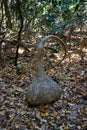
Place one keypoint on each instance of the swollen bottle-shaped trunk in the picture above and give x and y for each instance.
(43, 90)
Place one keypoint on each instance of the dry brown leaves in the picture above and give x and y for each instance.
(69, 113)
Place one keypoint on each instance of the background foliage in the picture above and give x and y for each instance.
(42, 17)
(31, 20)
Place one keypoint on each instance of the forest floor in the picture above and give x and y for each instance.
(68, 113)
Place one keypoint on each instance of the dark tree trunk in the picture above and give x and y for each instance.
(20, 31)
(7, 13)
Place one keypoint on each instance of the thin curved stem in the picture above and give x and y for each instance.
(39, 64)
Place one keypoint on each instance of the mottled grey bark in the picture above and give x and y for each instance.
(43, 90)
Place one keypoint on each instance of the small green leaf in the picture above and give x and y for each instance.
(19, 69)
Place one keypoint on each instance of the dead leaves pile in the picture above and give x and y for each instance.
(69, 113)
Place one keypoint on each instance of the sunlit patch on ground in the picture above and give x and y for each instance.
(85, 50)
(21, 50)
(75, 57)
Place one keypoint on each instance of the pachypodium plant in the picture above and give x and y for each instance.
(43, 90)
